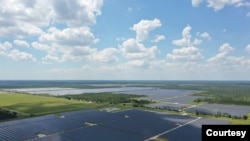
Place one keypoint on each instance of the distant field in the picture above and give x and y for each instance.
(40, 105)
(237, 121)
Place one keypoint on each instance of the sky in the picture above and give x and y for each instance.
(124, 40)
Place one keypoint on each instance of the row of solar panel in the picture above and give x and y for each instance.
(92, 125)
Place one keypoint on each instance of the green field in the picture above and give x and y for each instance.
(26, 104)
(238, 121)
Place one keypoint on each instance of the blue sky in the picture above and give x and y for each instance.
(125, 39)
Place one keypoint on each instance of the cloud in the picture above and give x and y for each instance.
(226, 48)
(136, 64)
(197, 42)
(28, 11)
(196, 3)
(21, 43)
(20, 18)
(78, 36)
(76, 12)
(40, 46)
(52, 52)
(185, 54)
(107, 55)
(49, 57)
(248, 48)
(222, 55)
(185, 41)
(77, 53)
(4, 48)
(205, 35)
(158, 38)
(20, 56)
(144, 27)
(220, 4)
(186, 37)
(132, 49)
(59, 53)
(20, 30)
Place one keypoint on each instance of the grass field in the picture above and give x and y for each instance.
(237, 121)
(40, 105)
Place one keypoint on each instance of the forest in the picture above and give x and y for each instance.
(225, 94)
(110, 98)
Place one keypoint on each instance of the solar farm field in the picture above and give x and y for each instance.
(234, 110)
(182, 100)
(134, 125)
(161, 94)
(93, 125)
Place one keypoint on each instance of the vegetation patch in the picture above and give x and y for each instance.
(237, 94)
(110, 98)
(34, 105)
(6, 114)
(242, 122)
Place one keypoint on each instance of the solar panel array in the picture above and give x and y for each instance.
(233, 110)
(92, 125)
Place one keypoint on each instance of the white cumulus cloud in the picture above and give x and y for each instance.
(220, 4)
(5, 48)
(40, 46)
(186, 37)
(185, 41)
(223, 53)
(21, 43)
(77, 53)
(132, 49)
(185, 54)
(206, 35)
(248, 48)
(107, 55)
(226, 48)
(144, 27)
(78, 36)
(49, 57)
(76, 12)
(158, 38)
(20, 18)
(136, 64)
(196, 3)
(20, 56)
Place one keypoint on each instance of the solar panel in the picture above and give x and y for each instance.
(57, 124)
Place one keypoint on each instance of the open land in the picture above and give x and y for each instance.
(40, 105)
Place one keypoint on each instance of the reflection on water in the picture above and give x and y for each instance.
(64, 91)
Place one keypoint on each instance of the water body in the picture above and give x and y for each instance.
(64, 87)
(65, 91)
(71, 83)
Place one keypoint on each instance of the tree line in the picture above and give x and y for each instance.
(6, 114)
(110, 98)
